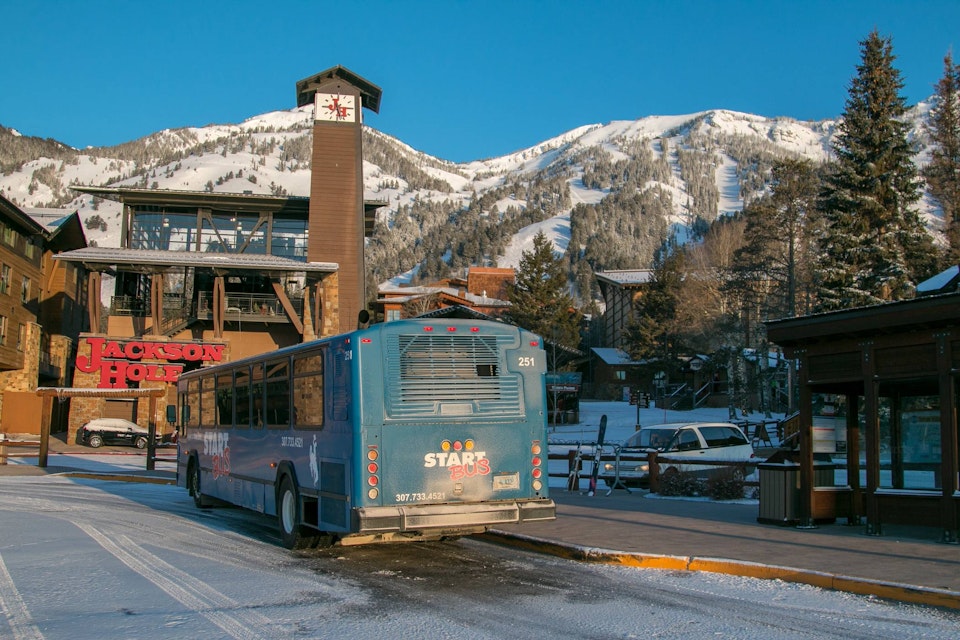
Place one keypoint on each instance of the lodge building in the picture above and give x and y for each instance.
(203, 277)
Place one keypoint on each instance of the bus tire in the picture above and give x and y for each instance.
(193, 484)
(293, 535)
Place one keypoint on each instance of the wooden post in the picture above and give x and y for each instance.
(152, 433)
(45, 431)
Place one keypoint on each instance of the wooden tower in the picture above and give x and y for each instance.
(336, 215)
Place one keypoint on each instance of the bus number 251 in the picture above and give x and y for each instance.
(526, 361)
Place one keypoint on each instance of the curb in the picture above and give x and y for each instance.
(118, 477)
(860, 586)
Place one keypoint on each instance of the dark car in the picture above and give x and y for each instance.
(101, 431)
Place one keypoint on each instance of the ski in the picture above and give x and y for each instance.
(597, 452)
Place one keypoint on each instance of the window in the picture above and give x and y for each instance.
(393, 314)
(25, 290)
(910, 441)
(207, 402)
(5, 279)
(225, 399)
(193, 403)
(278, 394)
(308, 390)
(3, 330)
(21, 337)
(241, 396)
(621, 374)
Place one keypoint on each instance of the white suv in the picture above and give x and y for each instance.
(714, 441)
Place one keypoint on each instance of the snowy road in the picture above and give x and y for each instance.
(85, 559)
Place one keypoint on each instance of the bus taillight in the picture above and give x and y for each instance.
(536, 463)
(372, 469)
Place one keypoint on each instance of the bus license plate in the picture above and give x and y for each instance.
(506, 481)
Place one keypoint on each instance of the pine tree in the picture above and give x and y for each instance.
(774, 269)
(943, 171)
(656, 334)
(539, 300)
(874, 247)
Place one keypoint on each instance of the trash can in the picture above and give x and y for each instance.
(780, 490)
(779, 493)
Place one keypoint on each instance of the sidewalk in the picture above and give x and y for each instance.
(906, 563)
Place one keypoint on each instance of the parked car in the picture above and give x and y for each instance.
(101, 431)
(720, 441)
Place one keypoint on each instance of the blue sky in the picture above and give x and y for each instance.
(461, 80)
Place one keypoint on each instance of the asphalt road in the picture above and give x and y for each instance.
(107, 560)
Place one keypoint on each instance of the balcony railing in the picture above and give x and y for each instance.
(240, 306)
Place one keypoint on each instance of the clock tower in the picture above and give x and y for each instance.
(336, 216)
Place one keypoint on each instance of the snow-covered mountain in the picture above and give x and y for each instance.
(681, 169)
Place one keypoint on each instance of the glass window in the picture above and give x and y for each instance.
(193, 403)
(25, 290)
(225, 399)
(256, 396)
(208, 402)
(289, 238)
(21, 337)
(3, 329)
(241, 394)
(910, 446)
(277, 394)
(393, 314)
(5, 279)
(308, 390)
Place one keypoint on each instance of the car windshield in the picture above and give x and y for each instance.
(651, 438)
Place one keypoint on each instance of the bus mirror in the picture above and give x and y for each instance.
(171, 413)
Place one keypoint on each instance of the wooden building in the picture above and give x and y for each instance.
(878, 389)
(620, 290)
(42, 312)
(484, 290)
(202, 277)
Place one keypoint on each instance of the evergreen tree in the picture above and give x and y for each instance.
(656, 333)
(774, 270)
(943, 171)
(539, 299)
(874, 247)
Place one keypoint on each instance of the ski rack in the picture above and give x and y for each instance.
(617, 482)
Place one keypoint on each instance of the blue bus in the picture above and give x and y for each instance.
(409, 430)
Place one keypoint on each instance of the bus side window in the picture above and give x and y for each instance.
(191, 409)
(256, 396)
(277, 396)
(308, 391)
(208, 402)
(225, 399)
(241, 394)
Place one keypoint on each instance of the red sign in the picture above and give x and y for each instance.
(122, 362)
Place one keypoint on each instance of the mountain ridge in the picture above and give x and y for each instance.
(646, 178)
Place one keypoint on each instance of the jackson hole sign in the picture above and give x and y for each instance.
(121, 362)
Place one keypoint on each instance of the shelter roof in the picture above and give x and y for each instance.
(893, 317)
(98, 258)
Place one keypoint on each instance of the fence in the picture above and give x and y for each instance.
(587, 451)
(5, 444)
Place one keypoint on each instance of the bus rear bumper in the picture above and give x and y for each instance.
(451, 517)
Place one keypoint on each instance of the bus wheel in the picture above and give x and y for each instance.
(293, 535)
(193, 485)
